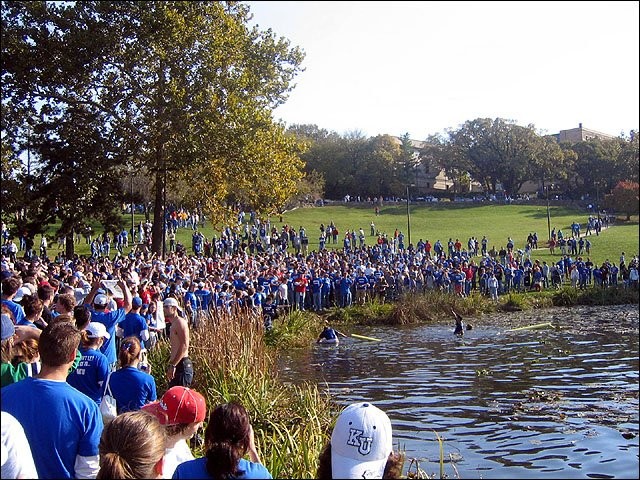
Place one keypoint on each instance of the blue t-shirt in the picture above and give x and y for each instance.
(132, 325)
(109, 320)
(59, 421)
(90, 375)
(132, 389)
(198, 469)
(16, 309)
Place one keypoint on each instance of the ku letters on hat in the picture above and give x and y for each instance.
(361, 442)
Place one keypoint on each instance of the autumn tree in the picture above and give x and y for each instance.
(625, 197)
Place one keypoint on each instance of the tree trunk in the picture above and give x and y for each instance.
(69, 246)
(158, 212)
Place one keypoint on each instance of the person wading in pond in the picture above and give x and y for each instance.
(459, 330)
(329, 335)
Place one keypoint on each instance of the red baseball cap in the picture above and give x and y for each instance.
(179, 405)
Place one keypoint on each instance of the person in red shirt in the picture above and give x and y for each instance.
(300, 283)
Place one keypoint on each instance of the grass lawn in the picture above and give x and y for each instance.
(441, 222)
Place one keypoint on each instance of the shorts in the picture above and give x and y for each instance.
(184, 374)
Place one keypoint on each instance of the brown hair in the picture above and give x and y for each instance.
(226, 439)
(46, 292)
(131, 445)
(129, 351)
(32, 306)
(67, 300)
(11, 285)
(25, 351)
(58, 343)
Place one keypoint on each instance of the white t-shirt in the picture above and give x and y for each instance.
(17, 461)
(174, 456)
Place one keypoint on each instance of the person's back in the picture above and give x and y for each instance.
(228, 437)
(132, 388)
(93, 369)
(62, 425)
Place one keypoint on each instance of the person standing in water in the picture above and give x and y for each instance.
(459, 330)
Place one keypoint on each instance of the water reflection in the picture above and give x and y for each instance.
(550, 403)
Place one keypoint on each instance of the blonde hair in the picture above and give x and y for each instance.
(131, 445)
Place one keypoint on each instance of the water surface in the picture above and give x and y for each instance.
(553, 403)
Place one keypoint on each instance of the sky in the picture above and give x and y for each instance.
(424, 67)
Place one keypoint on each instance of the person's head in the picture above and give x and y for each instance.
(181, 409)
(170, 306)
(136, 303)
(129, 351)
(94, 335)
(65, 303)
(58, 344)
(46, 293)
(11, 285)
(32, 306)
(100, 302)
(25, 351)
(132, 445)
(8, 336)
(226, 439)
(361, 446)
(82, 316)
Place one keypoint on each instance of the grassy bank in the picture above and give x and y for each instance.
(433, 222)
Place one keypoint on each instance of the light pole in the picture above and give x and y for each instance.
(548, 213)
(408, 220)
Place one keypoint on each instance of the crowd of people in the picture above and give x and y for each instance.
(73, 328)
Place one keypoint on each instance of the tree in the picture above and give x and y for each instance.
(624, 198)
(184, 88)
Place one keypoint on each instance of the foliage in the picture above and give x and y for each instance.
(183, 90)
(624, 198)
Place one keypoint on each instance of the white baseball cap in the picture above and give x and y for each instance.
(101, 300)
(361, 442)
(171, 302)
(97, 330)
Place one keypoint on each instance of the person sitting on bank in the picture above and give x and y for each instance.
(361, 446)
(329, 335)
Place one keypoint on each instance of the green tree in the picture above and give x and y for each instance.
(493, 152)
(185, 88)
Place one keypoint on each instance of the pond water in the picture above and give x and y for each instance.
(557, 402)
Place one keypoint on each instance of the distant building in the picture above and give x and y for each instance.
(580, 134)
(426, 178)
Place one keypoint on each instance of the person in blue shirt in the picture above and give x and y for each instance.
(63, 426)
(134, 324)
(109, 319)
(329, 335)
(93, 368)
(132, 388)
(10, 287)
(228, 438)
(346, 298)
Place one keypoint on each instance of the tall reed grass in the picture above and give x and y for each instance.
(233, 363)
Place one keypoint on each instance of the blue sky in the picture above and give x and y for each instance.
(423, 67)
